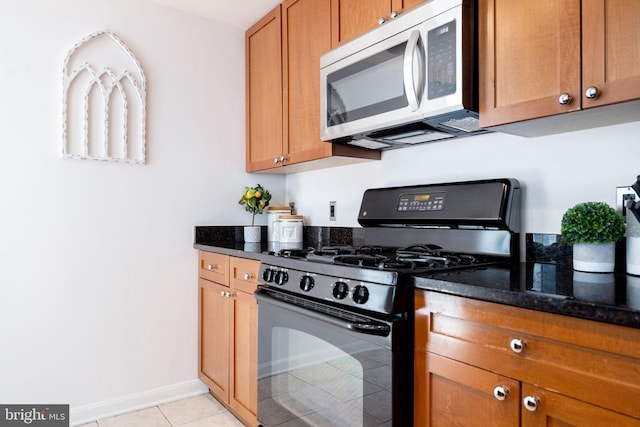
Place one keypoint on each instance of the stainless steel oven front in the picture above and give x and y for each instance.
(320, 365)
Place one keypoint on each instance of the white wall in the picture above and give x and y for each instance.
(555, 172)
(97, 269)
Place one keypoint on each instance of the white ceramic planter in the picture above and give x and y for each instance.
(252, 234)
(594, 257)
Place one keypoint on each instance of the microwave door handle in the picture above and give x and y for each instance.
(409, 84)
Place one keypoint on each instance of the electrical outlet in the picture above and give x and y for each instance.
(292, 205)
(622, 195)
(332, 211)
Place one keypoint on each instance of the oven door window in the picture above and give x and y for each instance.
(314, 373)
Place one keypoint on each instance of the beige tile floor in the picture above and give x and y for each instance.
(198, 411)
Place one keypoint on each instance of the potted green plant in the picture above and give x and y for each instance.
(255, 200)
(592, 228)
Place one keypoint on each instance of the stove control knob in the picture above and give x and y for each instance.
(267, 275)
(306, 283)
(281, 278)
(360, 294)
(340, 290)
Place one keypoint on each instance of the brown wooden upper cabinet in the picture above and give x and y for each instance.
(283, 52)
(354, 17)
(263, 50)
(544, 58)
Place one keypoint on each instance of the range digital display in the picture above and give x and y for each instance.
(421, 202)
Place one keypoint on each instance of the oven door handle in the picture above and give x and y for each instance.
(370, 327)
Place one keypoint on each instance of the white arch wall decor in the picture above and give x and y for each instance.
(104, 101)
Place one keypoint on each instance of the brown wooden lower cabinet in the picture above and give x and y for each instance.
(228, 321)
(485, 364)
(462, 395)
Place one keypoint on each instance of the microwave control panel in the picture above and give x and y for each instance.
(421, 202)
(441, 57)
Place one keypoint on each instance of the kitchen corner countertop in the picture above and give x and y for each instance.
(554, 288)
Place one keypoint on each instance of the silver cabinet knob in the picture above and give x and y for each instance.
(222, 293)
(381, 21)
(248, 276)
(501, 392)
(564, 99)
(276, 161)
(531, 403)
(517, 345)
(283, 159)
(211, 267)
(394, 14)
(592, 92)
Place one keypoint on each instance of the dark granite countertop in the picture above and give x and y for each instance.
(554, 288)
(545, 286)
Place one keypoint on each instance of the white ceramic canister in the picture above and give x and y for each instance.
(290, 228)
(633, 238)
(272, 217)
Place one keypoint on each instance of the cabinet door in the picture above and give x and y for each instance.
(263, 44)
(450, 393)
(610, 45)
(307, 35)
(354, 17)
(405, 5)
(552, 409)
(244, 274)
(530, 55)
(213, 315)
(213, 267)
(244, 357)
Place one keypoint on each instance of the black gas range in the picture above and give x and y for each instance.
(338, 318)
(407, 231)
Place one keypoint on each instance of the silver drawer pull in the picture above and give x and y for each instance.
(248, 276)
(211, 267)
(501, 392)
(592, 92)
(564, 99)
(531, 403)
(517, 345)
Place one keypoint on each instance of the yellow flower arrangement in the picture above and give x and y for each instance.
(255, 199)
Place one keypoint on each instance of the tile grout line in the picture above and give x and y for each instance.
(164, 415)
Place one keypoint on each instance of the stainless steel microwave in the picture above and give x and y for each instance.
(411, 80)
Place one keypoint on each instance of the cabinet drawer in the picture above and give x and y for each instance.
(591, 361)
(244, 274)
(214, 267)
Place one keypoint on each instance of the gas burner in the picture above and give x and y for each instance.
(350, 250)
(418, 250)
(293, 253)
(335, 250)
(361, 260)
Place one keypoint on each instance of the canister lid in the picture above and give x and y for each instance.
(279, 208)
(291, 217)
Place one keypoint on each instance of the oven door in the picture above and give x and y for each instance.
(337, 369)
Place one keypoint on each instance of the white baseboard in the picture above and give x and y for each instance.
(132, 402)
